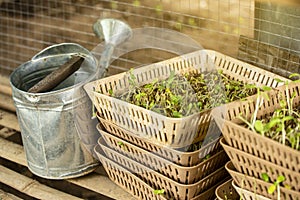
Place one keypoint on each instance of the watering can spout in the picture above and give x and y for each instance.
(113, 32)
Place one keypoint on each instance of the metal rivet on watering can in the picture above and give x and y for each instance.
(48, 120)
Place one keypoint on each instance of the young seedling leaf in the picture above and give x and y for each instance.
(157, 192)
(250, 86)
(282, 103)
(266, 88)
(265, 177)
(294, 75)
(287, 118)
(294, 94)
(177, 114)
(120, 143)
(280, 179)
(287, 186)
(170, 79)
(258, 125)
(272, 123)
(271, 189)
(152, 104)
(278, 80)
(110, 91)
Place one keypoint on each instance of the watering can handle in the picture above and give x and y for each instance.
(64, 71)
(57, 76)
(57, 49)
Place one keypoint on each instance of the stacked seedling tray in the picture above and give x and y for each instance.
(230, 191)
(213, 158)
(170, 131)
(136, 185)
(226, 191)
(183, 175)
(259, 163)
(153, 147)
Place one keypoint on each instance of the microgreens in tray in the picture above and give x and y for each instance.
(182, 95)
(283, 125)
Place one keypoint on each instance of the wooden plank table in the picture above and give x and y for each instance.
(18, 182)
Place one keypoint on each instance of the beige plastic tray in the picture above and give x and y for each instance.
(262, 147)
(210, 193)
(172, 188)
(125, 179)
(173, 132)
(226, 191)
(136, 186)
(247, 107)
(176, 172)
(258, 186)
(242, 138)
(174, 155)
(247, 195)
(254, 166)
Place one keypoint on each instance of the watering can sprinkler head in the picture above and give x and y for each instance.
(113, 31)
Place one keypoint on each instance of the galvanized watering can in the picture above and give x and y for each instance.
(58, 130)
(51, 122)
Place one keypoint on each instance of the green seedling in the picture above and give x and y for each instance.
(120, 143)
(183, 95)
(265, 177)
(159, 192)
(110, 92)
(275, 185)
(123, 146)
(207, 156)
(295, 77)
(283, 125)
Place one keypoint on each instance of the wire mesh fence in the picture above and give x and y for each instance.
(262, 33)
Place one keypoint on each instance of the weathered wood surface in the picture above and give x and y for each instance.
(6, 102)
(31, 187)
(8, 196)
(6, 132)
(9, 120)
(5, 89)
(96, 181)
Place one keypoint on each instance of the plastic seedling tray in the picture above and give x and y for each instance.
(172, 132)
